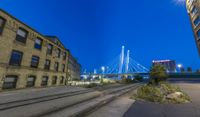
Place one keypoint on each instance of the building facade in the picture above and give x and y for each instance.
(74, 68)
(193, 9)
(28, 58)
(170, 65)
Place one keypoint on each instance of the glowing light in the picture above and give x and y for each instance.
(103, 69)
(179, 65)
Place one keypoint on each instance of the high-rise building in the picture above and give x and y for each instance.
(170, 65)
(193, 9)
(31, 59)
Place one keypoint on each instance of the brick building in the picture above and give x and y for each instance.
(74, 68)
(193, 9)
(30, 59)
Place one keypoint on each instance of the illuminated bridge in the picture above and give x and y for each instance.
(121, 65)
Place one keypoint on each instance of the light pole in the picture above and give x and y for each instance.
(103, 71)
(179, 66)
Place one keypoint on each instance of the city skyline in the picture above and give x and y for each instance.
(95, 30)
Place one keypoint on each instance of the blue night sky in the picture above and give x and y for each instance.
(95, 30)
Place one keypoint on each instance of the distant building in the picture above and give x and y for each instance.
(170, 65)
(193, 9)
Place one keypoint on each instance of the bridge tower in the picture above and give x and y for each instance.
(121, 63)
(127, 61)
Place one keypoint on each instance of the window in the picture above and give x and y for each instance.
(64, 55)
(35, 61)
(2, 24)
(44, 81)
(16, 58)
(30, 81)
(49, 49)
(62, 80)
(47, 64)
(38, 44)
(21, 35)
(10, 82)
(58, 51)
(63, 67)
(194, 11)
(56, 66)
(197, 21)
(54, 80)
(198, 34)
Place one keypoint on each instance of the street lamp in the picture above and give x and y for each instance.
(103, 69)
(180, 66)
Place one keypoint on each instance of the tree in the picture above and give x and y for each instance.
(157, 74)
(197, 71)
(138, 77)
(182, 70)
(189, 69)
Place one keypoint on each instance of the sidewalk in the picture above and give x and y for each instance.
(115, 108)
(148, 109)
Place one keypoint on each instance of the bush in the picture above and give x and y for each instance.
(168, 89)
(164, 93)
(139, 78)
(91, 85)
(150, 93)
(157, 74)
(127, 80)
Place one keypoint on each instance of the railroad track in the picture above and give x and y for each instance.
(84, 112)
(18, 103)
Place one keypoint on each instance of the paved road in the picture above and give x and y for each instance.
(144, 109)
(8, 96)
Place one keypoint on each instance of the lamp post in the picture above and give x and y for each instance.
(103, 71)
(179, 66)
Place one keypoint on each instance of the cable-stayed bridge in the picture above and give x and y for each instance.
(121, 65)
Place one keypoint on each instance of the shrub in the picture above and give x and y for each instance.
(157, 74)
(168, 88)
(91, 85)
(150, 93)
(139, 78)
(164, 93)
(127, 80)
